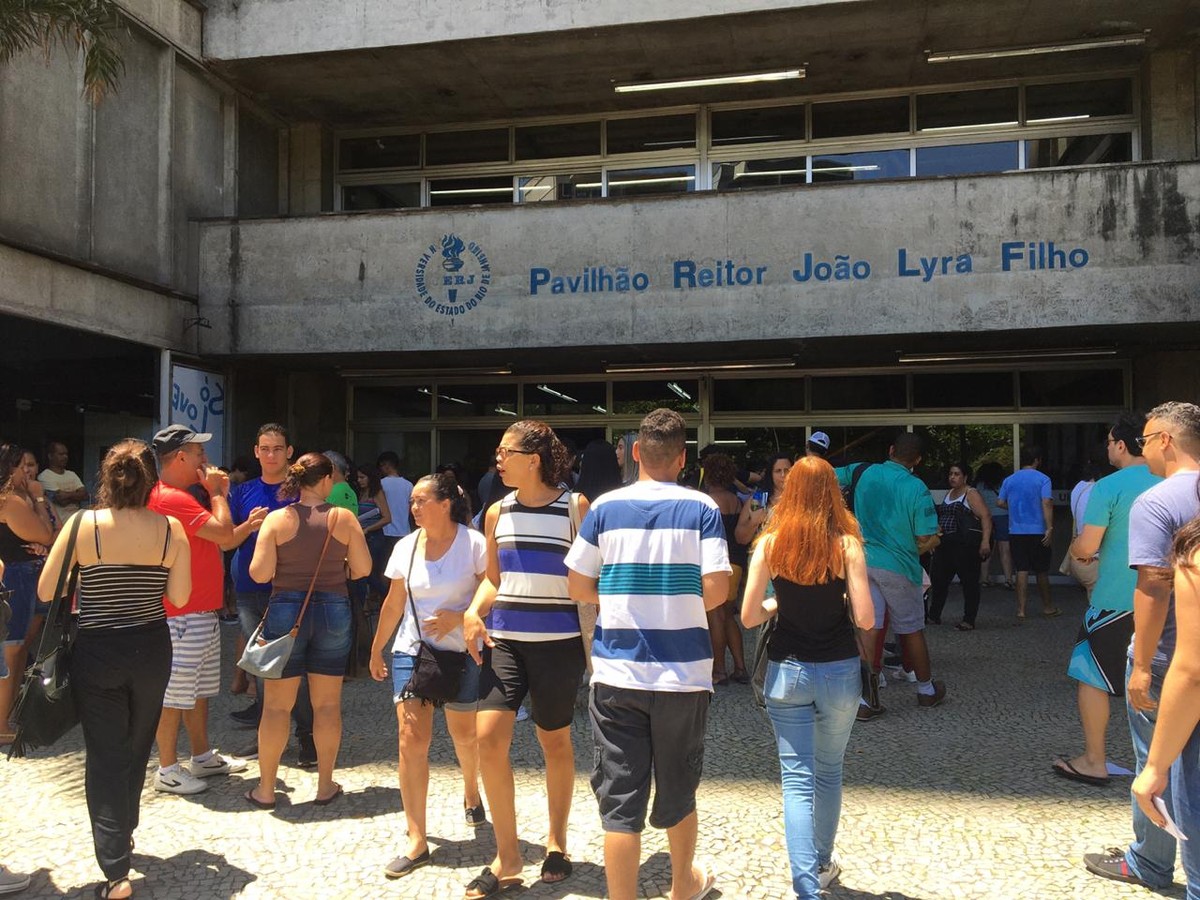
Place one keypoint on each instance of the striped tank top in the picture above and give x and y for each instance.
(117, 595)
(532, 603)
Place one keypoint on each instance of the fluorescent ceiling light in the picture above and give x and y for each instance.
(425, 373)
(444, 396)
(600, 409)
(817, 169)
(678, 391)
(546, 389)
(641, 181)
(1054, 120)
(506, 412)
(478, 190)
(746, 138)
(978, 125)
(733, 442)
(1005, 355)
(747, 78)
(648, 368)
(1120, 40)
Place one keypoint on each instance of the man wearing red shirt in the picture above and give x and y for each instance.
(195, 634)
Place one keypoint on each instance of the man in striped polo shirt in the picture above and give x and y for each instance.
(653, 556)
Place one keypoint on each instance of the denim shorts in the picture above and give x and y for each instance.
(21, 578)
(323, 643)
(468, 691)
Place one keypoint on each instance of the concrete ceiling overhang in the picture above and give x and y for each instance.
(845, 47)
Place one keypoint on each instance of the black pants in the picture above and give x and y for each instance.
(952, 558)
(118, 677)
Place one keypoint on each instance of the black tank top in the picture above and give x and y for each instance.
(814, 622)
(737, 552)
(12, 548)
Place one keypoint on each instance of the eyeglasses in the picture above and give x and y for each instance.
(503, 453)
(1141, 439)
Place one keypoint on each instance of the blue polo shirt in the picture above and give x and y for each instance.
(243, 498)
(894, 508)
(1024, 492)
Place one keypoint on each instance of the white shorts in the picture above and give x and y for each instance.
(195, 659)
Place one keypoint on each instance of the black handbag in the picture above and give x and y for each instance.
(758, 675)
(437, 674)
(45, 708)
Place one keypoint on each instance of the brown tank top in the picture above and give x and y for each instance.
(295, 559)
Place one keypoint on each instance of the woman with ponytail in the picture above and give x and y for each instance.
(289, 547)
(435, 571)
(129, 558)
(533, 644)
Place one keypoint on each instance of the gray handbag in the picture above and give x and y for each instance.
(267, 659)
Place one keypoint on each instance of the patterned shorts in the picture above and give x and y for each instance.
(195, 659)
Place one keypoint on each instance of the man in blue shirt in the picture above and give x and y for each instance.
(899, 523)
(1026, 496)
(249, 504)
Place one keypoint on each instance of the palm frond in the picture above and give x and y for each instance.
(90, 27)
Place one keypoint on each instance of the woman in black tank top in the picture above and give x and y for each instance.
(811, 551)
(130, 560)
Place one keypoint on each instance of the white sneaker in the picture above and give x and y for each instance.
(900, 674)
(176, 781)
(522, 713)
(11, 882)
(216, 765)
(828, 873)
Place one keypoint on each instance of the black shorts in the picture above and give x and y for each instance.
(548, 671)
(1029, 554)
(640, 732)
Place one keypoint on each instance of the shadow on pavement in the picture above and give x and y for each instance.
(192, 873)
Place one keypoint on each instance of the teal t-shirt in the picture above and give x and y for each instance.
(343, 495)
(1108, 506)
(893, 507)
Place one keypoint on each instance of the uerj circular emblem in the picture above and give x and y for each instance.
(452, 278)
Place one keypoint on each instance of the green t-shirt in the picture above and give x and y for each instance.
(893, 507)
(343, 495)
(1108, 506)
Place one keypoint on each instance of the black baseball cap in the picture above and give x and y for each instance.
(173, 437)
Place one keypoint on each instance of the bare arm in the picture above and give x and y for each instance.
(927, 542)
(749, 521)
(582, 588)
(1087, 543)
(179, 565)
(755, 608)
(861, 604)
(358, 556)
(390, 616)
(245, 529)
(1048, 518)
(48, 580)
(262, 564)
(716, 589)
(1151, 601)
(385, 514)
(979, 508)
(19, 515)
(474, 630)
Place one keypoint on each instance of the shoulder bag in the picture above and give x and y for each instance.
(45, 708)
(267, 659)
(437, 674)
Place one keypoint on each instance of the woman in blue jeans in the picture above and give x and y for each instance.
(288, 551)
(811, 551)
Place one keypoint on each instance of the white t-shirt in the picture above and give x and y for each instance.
(398, 491)
(446, 583)
(67, 481)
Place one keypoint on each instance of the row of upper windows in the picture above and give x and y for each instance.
(925, 114)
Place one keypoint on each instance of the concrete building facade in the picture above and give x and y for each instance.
(400, 226)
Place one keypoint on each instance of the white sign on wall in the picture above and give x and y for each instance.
(198, 401)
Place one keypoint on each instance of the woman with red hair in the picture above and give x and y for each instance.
(811, 551)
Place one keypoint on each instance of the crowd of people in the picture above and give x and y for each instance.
(627, 577)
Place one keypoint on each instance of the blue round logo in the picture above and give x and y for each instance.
(453, 278)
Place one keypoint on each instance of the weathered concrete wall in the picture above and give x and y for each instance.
(1171, 119)
(197, 166)
(934, 249)
(258, 166)
(178, 21)
(241, 29)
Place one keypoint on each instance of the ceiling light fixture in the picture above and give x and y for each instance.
(1006, 355)
(1119, 40)
(651, 368)
(546, 389)
(678, 391)
(712, 81)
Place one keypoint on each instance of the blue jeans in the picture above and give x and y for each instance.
(1151, 856)
(250, 608)
(1185, 792)
(812, 708)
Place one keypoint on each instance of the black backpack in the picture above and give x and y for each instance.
(848, 490)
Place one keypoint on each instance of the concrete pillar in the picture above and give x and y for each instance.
(1170, 126)
(310, 168)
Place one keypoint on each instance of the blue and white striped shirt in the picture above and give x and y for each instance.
(650, 544)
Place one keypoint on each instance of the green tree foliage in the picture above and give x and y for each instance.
(89, 27)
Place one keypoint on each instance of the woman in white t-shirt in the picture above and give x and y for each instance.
(441, 563)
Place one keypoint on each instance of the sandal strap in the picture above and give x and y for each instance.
(485, 884)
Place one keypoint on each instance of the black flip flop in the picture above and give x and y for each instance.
(254, 801)
(557, 864)
(486, 884)
(1069, 772)
(404, 865)
(319, 802)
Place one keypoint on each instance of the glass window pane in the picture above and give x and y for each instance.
(550, 141)
(996, 107)
(658, 180)
(1103, 387)
(750, 448)
(387, 151)
(884, 115)
(463, 191)
(963, 390)
(734, 127)
(579, 398)
(966, 159)
(641, 397)
(381, 196)
(1066, 451)
(858, 443)
(758, 173)
(536, 188)
(411, 446)
(1078, 100)
(388, 401)
(1081, 150)
(478, 398)
(860, 166)
(859, 392)
(755, 394)
(471, 449)
(651, 133)
(452, 148)
(946, 445)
